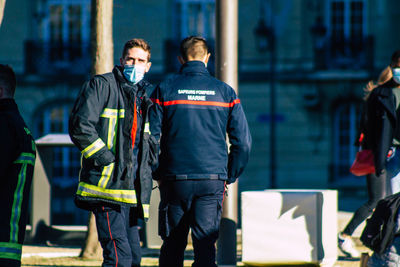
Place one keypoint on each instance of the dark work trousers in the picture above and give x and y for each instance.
(118, 236)
(195, 204)
(377, 189)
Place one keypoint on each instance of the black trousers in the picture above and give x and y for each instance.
(118, 236)
(195, 204)
(377, 189)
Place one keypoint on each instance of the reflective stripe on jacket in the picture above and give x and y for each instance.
(101, 126)
(17, 160)
(191, 115)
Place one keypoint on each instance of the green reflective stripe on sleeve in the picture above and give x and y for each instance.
(27, 131)
(124, 196)
(10, 250)
(93, 148)
(147, 128)
(105, 175)
(17, 203)
(27, 158)
(146, 210)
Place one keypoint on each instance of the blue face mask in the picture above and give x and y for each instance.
(134, 73)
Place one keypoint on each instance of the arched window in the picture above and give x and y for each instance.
(50, 118)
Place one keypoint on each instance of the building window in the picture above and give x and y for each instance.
(194, 17)
(346, 22)
(190, 17)
(345, 130)
(63, 41)
(53, 118)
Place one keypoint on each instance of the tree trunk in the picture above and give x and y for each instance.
(2, 5)
(102, 61)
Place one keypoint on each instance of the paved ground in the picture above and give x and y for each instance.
(67, 255)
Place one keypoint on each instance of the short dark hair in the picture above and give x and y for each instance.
(8, 80)
(193, 46)
(137, 42)
(395, 57)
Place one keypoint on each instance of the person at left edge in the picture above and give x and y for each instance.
(17, 153)
(109, 125)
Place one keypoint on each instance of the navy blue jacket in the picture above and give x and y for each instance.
(192, 113)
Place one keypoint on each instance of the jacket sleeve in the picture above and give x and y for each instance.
(379, 128)
(240, 141)
(83, 120)
(156, 113)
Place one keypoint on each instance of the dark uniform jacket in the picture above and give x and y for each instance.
(381, 123)
(193, 111)
(17, 160)
(109, 125)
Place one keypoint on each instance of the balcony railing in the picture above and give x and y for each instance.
(48, 58)
(339, 53)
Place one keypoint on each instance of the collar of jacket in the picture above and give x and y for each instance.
(194, 66)
(8, 104)
(128, 86)
(385, 97)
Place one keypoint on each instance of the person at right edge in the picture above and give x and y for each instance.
(192, 113)
(380, 133)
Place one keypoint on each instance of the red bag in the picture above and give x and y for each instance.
(363, 163)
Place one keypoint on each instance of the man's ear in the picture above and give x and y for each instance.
(148, 65)
(207, 58)
(181, 60)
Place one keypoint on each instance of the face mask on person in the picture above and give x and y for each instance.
(134, 73)
(396, 75)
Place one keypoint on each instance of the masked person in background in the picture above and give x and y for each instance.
(109, 125)
(380, 127)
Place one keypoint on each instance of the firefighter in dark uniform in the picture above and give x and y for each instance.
(18, 153)
(191, 115)
(109, 125)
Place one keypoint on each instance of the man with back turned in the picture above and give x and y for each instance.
(192, 113)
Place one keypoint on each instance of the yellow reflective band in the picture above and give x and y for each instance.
(11, 251)
(93, 148)
(113, 113)
(105, 175)
(146, 210)
(147, 128)
(121, 113)
(124, 196)
(109, 113)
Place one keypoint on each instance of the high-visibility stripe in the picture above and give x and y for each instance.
(105, 175)
(134, 125)
(155, 100)
(27, 158)
(10, 250)
(24, 159)
(147, 128)
(93, 148)
(113, 113)
(124, 196)
(146, 210)
(198, 103)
